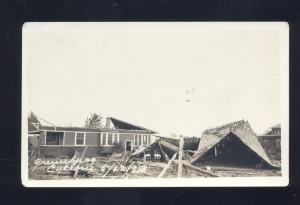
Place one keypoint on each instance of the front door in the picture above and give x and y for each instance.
(128, 146)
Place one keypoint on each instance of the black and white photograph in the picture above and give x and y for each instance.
(155, 104)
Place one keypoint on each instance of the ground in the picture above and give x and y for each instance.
(137, 168)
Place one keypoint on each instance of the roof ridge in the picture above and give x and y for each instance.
(233, 123)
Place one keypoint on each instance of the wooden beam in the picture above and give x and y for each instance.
(82, 155)
(181, 142)
(167, 166)
(200, 170)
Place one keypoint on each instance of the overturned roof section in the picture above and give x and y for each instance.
(119, 124)
(240, 129)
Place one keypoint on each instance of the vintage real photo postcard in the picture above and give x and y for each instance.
(155, 104)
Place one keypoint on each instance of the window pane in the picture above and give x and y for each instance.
(103, 138)
(135, 140)
(115, 138)
(80, 135)
(80, 139)
(148, 140)
(140, 139)
(109, 140)
(145, 140)
(54, 138)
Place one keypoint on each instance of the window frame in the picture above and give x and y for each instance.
(135, 140)
(140, 140)
(145, 136)
(84, 137)
(101, 140)
(106, 138)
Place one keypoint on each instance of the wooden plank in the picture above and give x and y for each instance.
(200, 170)
(167, 166)
(169, 146)
(181, 142)
(82, 155)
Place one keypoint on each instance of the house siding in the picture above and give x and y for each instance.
(124, 137)
(42, 138)
(33, 140)
(92, 139)
(68, 151)
(272, 146)
(69, 138)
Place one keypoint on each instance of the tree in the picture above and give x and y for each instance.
(93, 121)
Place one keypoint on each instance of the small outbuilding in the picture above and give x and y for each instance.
(231, 145)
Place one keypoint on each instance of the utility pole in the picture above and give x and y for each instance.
(181, 142)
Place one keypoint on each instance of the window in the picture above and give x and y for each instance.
(140, 139)
(135, 140)
(145, 140)
(54, 138)
(103, 139)
(149, 139)
(109, 139)
(115, 138)
(79, 138)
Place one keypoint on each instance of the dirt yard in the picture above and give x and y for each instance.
(135, 168)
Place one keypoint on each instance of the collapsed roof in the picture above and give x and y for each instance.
(119, 124)
(240, 129)
(165, 148)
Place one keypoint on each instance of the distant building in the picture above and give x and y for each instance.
(53, 140)
(271, 142)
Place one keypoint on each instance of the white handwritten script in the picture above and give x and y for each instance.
(112, 167)
(66, 165)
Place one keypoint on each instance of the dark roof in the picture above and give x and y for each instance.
(119, 124)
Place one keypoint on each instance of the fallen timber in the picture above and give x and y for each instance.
(202, 171)
(167, 166)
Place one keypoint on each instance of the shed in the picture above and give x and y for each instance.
(233, 144)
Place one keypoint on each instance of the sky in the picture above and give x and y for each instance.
(177, 78)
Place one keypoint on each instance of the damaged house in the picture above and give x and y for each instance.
(271, 142)
(231, 145)
(116, 136)
(167, 147)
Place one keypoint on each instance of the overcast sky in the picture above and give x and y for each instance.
(141, 73)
